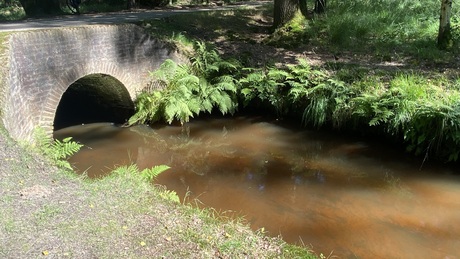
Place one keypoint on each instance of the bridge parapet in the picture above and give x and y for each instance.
(43, 64)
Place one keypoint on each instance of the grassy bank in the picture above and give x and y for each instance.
(52, 212)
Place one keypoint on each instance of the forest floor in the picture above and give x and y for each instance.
(249, 36)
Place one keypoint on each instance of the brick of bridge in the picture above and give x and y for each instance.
(43, 64)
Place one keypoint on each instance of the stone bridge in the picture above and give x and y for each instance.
(41, 66)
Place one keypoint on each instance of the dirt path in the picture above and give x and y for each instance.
(115, 17)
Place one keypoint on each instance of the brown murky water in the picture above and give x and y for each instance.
(350, 197)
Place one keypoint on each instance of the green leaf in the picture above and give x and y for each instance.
(150, 174)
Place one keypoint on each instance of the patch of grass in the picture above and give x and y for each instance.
(296, 252)
(292, 34)
(389, 30)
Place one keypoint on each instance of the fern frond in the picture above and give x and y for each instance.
(56, 150)
(150, 174)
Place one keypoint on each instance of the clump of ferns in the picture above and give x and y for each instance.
(204, 84)
(415, 110)
(267, 85)
(322, 98)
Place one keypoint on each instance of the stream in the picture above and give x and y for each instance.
(341, 195)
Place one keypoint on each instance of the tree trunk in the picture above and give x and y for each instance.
(34, 8)
(303, 7)
(445, 34)
(284, 11)
(320, 6)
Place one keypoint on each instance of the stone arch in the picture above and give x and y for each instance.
(93, 98)
(42, 64)
(47, 116)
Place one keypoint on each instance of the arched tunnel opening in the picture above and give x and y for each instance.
(94, 98)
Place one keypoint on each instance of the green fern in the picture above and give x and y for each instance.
(56, 150)
(323, 98)
(148, 108)
(266, 85)
(150, 174)
(209, 64)
(189, 89)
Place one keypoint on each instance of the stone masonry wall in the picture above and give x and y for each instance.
(43, 64)
(4, 69)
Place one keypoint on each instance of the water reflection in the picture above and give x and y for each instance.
(351, 197)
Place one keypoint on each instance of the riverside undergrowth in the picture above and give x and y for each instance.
(181, 91)
(420, 111)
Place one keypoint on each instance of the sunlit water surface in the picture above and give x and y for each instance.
(353, 198)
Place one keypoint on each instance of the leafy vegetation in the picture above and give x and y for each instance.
(420, 111)
(56, 150)
(187, 90)
(11, 12)
(415, 109)
(406, 100)
(148, 175)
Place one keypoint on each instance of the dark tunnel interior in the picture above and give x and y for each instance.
(94, 98)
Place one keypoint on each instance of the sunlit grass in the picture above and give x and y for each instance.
(388, 30)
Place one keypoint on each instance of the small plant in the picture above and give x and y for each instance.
(56, 150)
(147, 175)
(151, 173)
